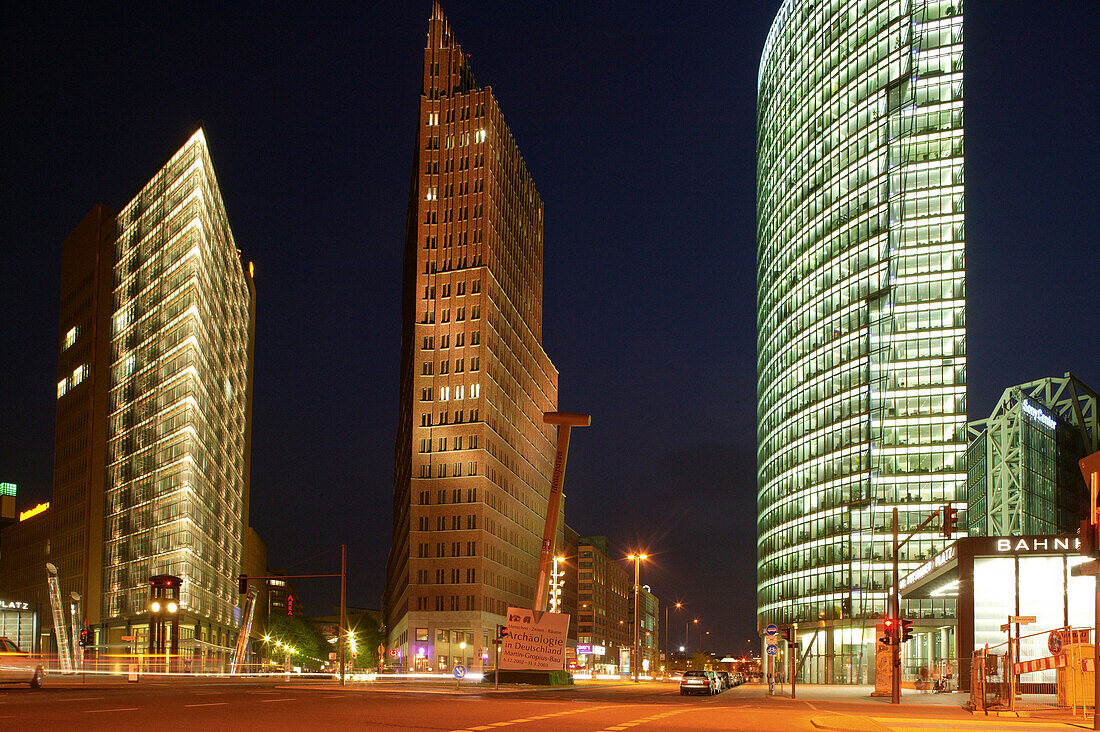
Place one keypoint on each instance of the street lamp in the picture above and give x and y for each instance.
(668, 649)
(556, 581)
(686, 626)
(637, 561)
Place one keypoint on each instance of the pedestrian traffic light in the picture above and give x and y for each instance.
(906, 630)
(1087, 534)
(889, 627)
(242, 584)
(950, 521)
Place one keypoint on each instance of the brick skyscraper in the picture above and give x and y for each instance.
(473, 458)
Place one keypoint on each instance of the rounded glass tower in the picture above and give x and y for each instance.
(861, 354)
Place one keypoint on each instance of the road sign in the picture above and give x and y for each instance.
(1021, 619)
(393, 651)
(1006, 627)
(332, 655)
(460, 672)
(771, 640)
(773, 650)
(771, 629)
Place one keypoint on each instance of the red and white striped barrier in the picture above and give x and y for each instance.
(1042, 664)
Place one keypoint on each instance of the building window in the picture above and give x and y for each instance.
(70, 338)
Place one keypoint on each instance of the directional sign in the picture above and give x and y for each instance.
(1021, 619)
(1006, 627)
(460, 672)
(773, 650)
(771, 629)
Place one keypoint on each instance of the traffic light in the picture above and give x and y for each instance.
(906, 630)
(84, 637)
(1087, 535)
(242, 584)
(950, 521)
(788, 635)
(889, 626)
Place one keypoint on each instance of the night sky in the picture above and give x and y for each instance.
(636, 120)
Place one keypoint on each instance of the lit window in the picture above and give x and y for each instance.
(70, 338)
(444, 393)
(62, 387)
(80, 373)
(480, 136)
(475, 391)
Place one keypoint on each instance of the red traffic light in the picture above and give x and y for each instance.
(949, 521)
(906, 630)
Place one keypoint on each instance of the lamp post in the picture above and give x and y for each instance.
(686, 636)
(637, 561)
(668, 649)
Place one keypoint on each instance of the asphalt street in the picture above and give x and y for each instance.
(275, 704)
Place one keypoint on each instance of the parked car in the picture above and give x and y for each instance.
(697, 682)
(725, 678)
(738, 678)
(17, 667)
(716, 681)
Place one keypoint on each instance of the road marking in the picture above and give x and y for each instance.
(80, 698)
(119, 709)
(208, 704)
(518, 720)
(265, 701)
(643, 720)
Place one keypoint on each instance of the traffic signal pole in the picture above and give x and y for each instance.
(895, 613)
(947, 527)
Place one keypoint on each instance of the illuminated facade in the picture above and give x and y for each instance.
(153, 408)
(861, 309)
(473, 457)
(1022, 472)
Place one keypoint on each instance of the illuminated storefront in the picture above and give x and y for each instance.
(992, 578)
(19, 622)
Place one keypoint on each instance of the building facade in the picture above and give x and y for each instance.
(473, 457)
(605, 599)
(1022, 472)
(861, 309)
(153, 402)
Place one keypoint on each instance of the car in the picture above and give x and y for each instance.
(725, 678)
(17, 667)
(738, 678)
(697, 682)
(717, 681)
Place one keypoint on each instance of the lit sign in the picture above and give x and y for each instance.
(599, 650)
(584, 648)
(14, 605)
(1045, 544)
(1038, 415)
(24, 515)
(928, 567)
(290, 604)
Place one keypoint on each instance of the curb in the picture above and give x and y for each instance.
(838, 723)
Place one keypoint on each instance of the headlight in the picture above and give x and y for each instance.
(155, 607)
(172, 607)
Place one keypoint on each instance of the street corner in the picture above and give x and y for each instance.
(846, 723)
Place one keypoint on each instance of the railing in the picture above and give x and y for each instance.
(1040, 671)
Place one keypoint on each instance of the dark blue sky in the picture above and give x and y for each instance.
(637, 124)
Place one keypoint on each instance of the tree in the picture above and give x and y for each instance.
(299, 633)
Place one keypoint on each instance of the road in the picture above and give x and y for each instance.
(272, 705)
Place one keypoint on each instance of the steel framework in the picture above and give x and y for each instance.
(996, 447)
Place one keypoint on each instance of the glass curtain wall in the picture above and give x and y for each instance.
(861, 304)
(176, 431)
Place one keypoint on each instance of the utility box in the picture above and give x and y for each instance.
(1075, 685)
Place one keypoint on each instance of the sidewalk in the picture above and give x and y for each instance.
(844, 693)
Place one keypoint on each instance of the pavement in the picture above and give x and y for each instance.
(268, 704)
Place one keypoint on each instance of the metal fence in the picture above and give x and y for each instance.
(1038, 671)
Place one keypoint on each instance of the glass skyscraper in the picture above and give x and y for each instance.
(861, 310)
